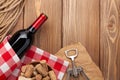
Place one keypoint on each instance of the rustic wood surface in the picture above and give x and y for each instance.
(94, 23)
(110, 39)
(80, 22)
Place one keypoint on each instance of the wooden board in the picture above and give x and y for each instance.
(19, 25)
(94, 23)
(110, 39)
(81, 24)
(49, 37)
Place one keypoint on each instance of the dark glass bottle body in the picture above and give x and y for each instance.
(23, 39)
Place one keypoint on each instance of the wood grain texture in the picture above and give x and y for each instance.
(94, 23)
(110, 39)
(49, 38)
(18, 26)
(29, 13)
(81, 24)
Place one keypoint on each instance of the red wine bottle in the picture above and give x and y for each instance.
(23, 39)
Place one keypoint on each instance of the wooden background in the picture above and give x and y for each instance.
(94, 23)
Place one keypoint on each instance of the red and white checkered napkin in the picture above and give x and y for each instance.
(9, 61)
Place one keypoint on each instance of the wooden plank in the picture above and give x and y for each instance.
(18, 26)
(29, 13)
(49, 37)
(110, 39)
(81, 24)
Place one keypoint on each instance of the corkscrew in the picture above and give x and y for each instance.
(74, 72)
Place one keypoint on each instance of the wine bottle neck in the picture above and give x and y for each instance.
(38, 22)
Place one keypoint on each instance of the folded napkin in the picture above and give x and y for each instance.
(10, 64)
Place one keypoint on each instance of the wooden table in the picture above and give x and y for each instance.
(94, 23)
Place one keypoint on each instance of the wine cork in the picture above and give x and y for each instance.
(38, 77)
(46, 78)
(52, 75)
(22, 74)
(29, 71)
(41, 70)
(23, 78)
(33, 78)
(35, 72)
(44, 64)
(23, 69)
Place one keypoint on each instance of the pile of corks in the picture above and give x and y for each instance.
(37, 71)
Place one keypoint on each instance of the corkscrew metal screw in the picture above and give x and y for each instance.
(74, 71)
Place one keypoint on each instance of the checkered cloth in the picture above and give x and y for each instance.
(10, 64)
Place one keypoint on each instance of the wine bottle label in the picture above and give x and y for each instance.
(39, 21)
